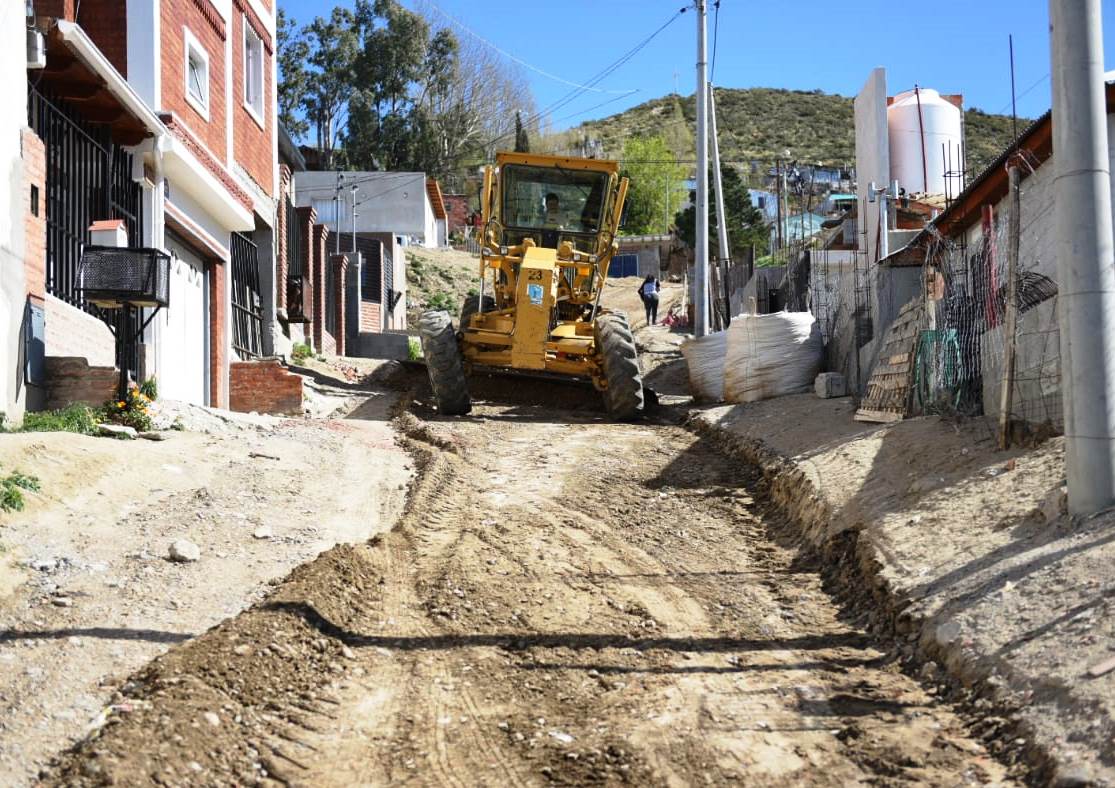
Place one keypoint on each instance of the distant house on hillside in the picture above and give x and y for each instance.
(397, 203)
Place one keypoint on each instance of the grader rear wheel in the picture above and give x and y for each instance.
(624, 396)
(444, 363)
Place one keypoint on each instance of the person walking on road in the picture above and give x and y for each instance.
(648, 291)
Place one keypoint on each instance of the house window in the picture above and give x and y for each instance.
(197, 76)
(253, 73)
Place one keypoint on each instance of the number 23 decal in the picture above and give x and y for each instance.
(534, 276)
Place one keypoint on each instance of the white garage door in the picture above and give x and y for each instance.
(184, 329)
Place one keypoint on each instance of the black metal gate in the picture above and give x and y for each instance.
(88, 178)
(247, 312)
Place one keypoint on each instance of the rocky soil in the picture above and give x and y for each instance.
(132, 547)
(565, 601)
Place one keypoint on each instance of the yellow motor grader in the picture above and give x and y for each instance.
(548, 234)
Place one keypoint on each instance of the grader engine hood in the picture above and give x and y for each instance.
(534, 298)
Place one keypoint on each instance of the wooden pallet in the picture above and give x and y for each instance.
(890, 387)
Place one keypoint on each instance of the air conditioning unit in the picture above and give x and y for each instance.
(36, 50)
(112, 277)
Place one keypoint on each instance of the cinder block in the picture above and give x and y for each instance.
(830, 384)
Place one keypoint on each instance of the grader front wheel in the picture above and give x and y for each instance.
(619, 359)
(444, 363)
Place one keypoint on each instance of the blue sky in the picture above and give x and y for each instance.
(955, 47)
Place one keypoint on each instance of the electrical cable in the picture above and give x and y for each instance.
(461, 25)
(600, 76)
(715, 39)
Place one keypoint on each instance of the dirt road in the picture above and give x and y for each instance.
(566, 601)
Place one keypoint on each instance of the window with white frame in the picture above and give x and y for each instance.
(197, 75)
(253, 72)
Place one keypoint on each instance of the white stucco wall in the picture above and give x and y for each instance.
(387, 202)
(13, 93)
(872, 151)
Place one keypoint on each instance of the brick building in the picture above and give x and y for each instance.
(176, 101)
(13, 194)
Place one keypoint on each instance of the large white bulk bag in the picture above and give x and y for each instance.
(771, 355)
(704, 356)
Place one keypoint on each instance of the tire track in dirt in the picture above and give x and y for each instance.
(566, 601)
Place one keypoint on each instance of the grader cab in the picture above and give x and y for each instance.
(548, 234)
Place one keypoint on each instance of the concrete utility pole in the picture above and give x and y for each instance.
(1085, 253)
(700, 263)
(354, 189)
(717, 181)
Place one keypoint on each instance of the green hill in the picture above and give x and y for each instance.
(761, 123)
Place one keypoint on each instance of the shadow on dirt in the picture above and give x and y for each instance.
(101, 633)
(575, 641)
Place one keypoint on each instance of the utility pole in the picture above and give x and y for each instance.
(778, 189)
(354, 188)
(718, 184)
(337, 213)
(1085, 253)
(700, 263)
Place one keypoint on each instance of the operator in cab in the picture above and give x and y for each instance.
(552, 220)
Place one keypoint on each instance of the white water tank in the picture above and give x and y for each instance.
(920, 122)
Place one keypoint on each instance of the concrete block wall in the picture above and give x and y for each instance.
(265, 386)
(73, 333)
(72, 380)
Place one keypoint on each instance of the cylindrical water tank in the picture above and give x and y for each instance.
(925, 140)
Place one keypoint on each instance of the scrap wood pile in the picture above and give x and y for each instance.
(758, 357)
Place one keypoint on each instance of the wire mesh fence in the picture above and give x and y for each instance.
(960, 348)
(961, 355)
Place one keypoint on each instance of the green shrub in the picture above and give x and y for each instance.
(150, 388)
(76, 418)
(442, 302)
(11, 490)
(414, 348)
(301, 352)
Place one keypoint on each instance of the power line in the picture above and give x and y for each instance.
(715, 39)
(598, 106)
(1024, 93)
(457, 22)
(600, 76)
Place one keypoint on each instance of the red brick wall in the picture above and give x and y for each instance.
(205, 23)
(371, 317)
(340, 263)
(218, 343)
(251, 144)
(307, 219)
(70, 380)
(328, 344)
(34, 227)
(62, 9)
(282, 254)
(316, 263)
(264, 386)
(105, 22)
